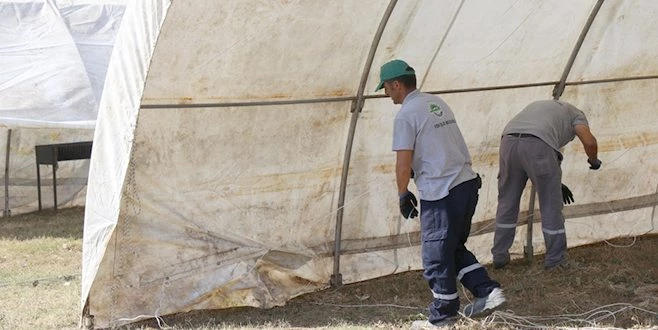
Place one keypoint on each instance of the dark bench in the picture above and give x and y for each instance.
(51, 154)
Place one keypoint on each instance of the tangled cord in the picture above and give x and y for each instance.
(591, 319)
(157, 316)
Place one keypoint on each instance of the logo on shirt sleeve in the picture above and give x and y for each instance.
(436, 110)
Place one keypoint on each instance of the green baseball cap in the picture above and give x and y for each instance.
(394, 69)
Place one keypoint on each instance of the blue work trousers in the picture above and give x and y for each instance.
(445, 227)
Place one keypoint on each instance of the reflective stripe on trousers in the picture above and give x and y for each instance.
(520, 159)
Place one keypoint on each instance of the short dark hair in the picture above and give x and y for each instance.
(408, 81)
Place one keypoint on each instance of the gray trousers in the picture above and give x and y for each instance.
(522, 158)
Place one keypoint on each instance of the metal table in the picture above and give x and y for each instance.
(51, 154)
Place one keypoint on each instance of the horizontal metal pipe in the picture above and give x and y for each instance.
(354, 98)
(375, 244)
(603, 81)
(248, 103)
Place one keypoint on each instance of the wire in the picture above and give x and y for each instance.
(156, 315)
(591, 318)
(34, 282)
(653, 218)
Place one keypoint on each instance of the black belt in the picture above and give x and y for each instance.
(522, 135)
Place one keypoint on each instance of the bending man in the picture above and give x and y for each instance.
(530, 149)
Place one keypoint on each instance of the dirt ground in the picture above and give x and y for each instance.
(612, 287)
(615, 286)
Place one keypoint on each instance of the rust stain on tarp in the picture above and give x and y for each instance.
(289, 181)
(628, 141)
(489, 159)
(231, 294)
(272, 274)
(245, 98)
(272, 285)
(608, 144)
(383, 168)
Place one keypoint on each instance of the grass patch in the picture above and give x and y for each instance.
(40, 265)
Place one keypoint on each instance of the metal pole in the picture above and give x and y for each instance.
(7, 211)
(336, 278)
(559, 88)
(443, 39)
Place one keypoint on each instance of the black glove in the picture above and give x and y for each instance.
(408, 205)
(594, 164)
(567, 196)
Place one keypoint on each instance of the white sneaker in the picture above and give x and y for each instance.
(491, 301)
(426, 325)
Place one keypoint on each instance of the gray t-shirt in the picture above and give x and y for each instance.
(551, 121)
(426, 125)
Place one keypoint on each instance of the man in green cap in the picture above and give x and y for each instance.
(428, 142)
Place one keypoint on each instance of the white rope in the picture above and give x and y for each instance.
(156, 315)
(34, 282)
(634, 237)
(592, 319)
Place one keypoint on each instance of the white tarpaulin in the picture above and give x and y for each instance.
(237, 140)
(53, 61)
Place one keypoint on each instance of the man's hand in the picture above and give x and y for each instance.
(567, 196)
(408, 205)
(594, 164)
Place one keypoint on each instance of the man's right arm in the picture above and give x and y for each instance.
(589, 143)
(404, 158)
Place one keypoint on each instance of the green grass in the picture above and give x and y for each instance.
(40, 264)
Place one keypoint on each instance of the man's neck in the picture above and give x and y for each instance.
(406, 93)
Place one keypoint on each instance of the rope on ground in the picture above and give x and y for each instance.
(156, 315)
(35, 282)
(591, 319)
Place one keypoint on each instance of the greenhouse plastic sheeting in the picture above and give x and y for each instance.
(53, 60)
(226, 129)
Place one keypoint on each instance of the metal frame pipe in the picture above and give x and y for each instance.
(357, 105)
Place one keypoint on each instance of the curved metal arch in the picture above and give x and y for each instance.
(357, 105)
(440, 45)
(559, 88)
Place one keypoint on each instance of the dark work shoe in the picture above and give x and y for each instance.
(564, 265)
(500, 264)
